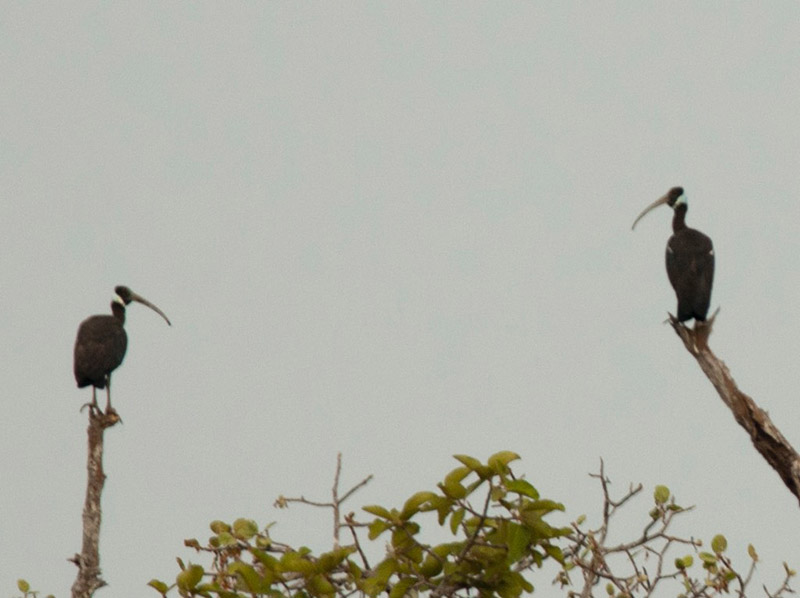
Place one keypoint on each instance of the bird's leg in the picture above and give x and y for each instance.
(108, 394)
(110, 411)
(93, 408)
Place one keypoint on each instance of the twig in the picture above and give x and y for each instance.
(335, 504)
(350, 523)
(335, 493)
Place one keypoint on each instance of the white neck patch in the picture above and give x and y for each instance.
(117, 299)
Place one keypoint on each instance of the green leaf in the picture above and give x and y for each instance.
(158, 585)
(752, 552)
(555, 552)
(730, 575)
(511, 586)
(455, 520)
(328, 561)
(543, 506)
(401, 587)
(294, 561)
(189, 577)
(270, 562)
(23, 586)
(433, 503)
(376, 584)
(519, 537)
(474, 465)
(319, 586)
(453, 489)
(378, 511)
(445, 550)
(708, 558)
(413, 504)
(218, 526)
(661, 494)
(246, 572)
(244, 529)
(431, 567)
(377, 527)
(443, 508)
(499, 461)
(541, 529)
(470, 462)
(455, 476)
(684, 563)
(719, 544)
(263, 541)
(226, 539)
(403, 542)
(356, 573)
(522, 487)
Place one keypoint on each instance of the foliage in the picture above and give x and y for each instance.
(497, 540)
(24, 587)
(502, 533)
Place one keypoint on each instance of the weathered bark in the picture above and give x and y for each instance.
(88, 561)
(767, 439)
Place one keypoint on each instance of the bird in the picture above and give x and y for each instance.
(101, 343)
(690, 260)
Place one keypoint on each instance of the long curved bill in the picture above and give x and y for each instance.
(661, 200)
(143, 301)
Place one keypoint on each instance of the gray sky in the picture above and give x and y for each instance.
(400, 231)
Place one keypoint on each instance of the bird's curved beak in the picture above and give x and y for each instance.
(143, 301)
(661, 200)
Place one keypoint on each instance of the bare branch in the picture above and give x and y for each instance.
(88, 561)
(766, 437)
(351, 524)
(335, 494)
(355, 488)
(334, 505)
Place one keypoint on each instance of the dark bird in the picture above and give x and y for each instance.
(690, 259)
(101, 344)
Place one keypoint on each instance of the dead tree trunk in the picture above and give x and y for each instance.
(767, 439)
(88, 561)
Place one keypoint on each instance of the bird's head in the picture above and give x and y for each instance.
(123, 295)
(673, 198)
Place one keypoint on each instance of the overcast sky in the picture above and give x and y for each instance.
(396, 230)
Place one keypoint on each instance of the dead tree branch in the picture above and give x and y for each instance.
(335, 505)
(766, 437)
(88, 561)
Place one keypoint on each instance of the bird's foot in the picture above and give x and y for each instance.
(107, 418)
(112, 416)
(94, 409)
(674, 321)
